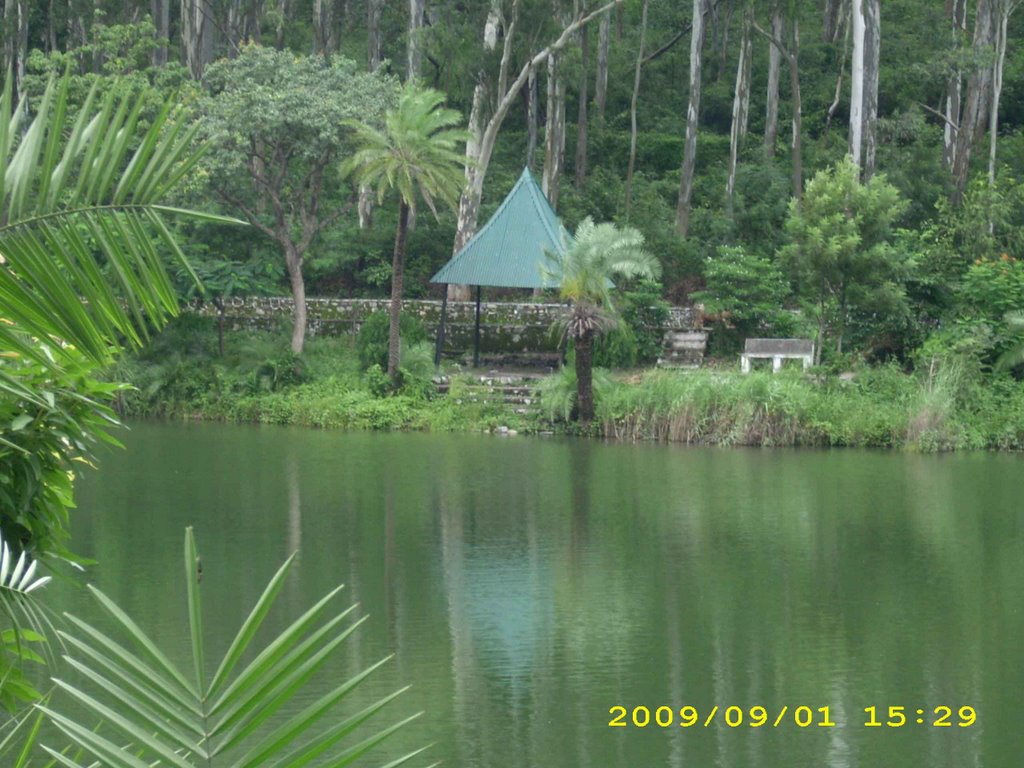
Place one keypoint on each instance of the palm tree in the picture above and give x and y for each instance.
(584, 272)
(416, 155)
(1015, 355)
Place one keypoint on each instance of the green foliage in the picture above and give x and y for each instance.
(372, 339)
(645, 313)
(745, 297)
(186, 717)
(617, 348)
(115, 56)
(40, 442)
(839, 251)
(992, 287)
(558, 392)
(294, 108)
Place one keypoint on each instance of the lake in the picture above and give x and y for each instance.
(529, 587)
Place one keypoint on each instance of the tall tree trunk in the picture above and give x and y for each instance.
(397, 273)
(293, 263)
(253, 24)
(1006, 7)
(324, 40)
(601, 83)
(976, 100)
(373, 57)
(584, 344)
(532, 110)
(872, 57)
(692, 114)
(554, 133)
(632, 109)
(857, 82)
(832, 20)
(414, 46)
(721, 35)
(161, 10)
(839, 80)
(282, 17)
(771, 120)
(581, 114)
(740, 105)
(15, 36)
(796, 142)
(196, 36)
(957, 12)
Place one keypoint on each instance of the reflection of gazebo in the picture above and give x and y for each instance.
(508, 252)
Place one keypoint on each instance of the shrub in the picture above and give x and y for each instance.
(744, 296)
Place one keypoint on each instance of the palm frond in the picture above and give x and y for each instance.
(82, 234)
(1015, 355)
(415, 153)
(178, 718)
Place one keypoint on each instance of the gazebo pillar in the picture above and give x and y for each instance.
(439, 348)
(476, 330)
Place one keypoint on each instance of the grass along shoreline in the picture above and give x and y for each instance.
(179, 376)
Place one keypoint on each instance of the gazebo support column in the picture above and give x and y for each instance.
(439, 348)
(476, 330)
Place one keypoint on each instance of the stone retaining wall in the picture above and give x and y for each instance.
(505, 327)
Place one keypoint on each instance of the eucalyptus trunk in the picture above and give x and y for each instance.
(740, 107)
(397, 274)
(857, 82)
(796, 145)
(581, 114)
(584, 344)
(554, 133)
(771, 119)
(374, 8)
(414, 46)
(196, 35)
(601, 83)
(1005, 9)
(872, 57)
(957, 12)
(324, 40)
(692, 115)
(976, 100)
(282, 16)
(161, 11)
(532, 110)
(632, 109)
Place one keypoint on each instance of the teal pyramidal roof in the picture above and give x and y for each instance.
(510, 248)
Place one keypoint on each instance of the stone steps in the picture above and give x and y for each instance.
(683, 349)
(516, 390)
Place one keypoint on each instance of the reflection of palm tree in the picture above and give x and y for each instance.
(584, 272)
(1014, 356)
(415, 155)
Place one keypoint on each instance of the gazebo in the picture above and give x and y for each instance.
(507, 252)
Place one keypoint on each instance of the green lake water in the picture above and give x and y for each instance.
(528, 586)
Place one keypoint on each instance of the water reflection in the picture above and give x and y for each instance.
(529, 586)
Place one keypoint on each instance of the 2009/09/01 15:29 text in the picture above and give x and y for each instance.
(895, 716)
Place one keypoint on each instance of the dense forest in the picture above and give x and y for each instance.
(717, 128)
